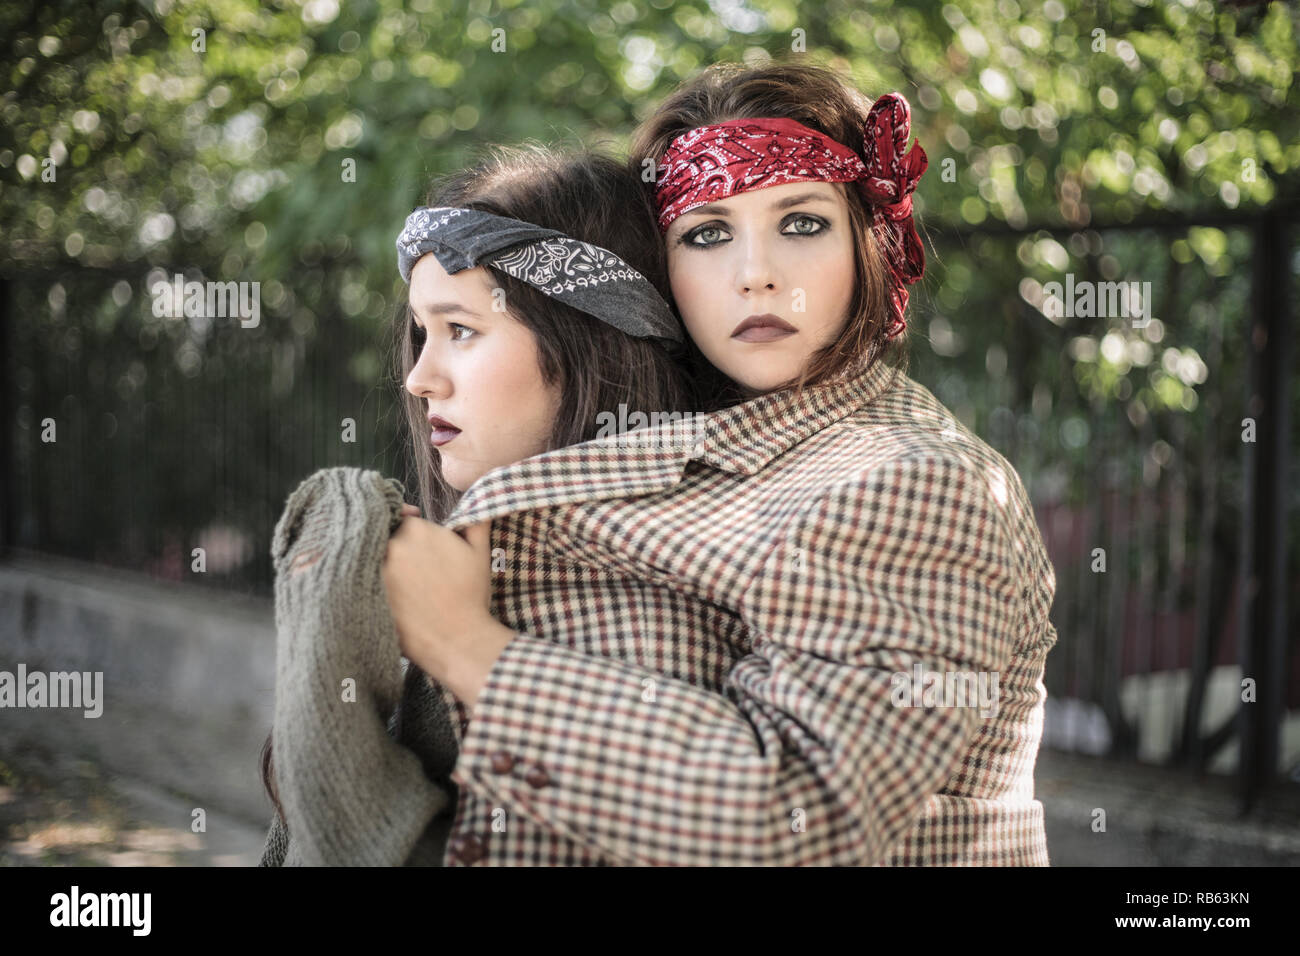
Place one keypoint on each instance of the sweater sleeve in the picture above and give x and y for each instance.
(810, 754)
(352, 794)
(277, 843)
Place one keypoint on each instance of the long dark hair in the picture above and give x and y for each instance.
(818, 98)
(586, 195)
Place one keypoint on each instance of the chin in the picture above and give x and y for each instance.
(761, 386)
(455, 476)
(760, 376)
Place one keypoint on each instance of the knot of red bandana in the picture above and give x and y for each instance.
(892, 175)
(708, 163)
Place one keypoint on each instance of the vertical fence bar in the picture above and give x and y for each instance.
(1192, 748)
(8, 409)
(1264, 640)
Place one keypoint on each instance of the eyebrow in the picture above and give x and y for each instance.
(442, 308)
(718, 209)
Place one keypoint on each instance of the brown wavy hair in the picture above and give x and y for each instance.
(818, 98)
(587, 195)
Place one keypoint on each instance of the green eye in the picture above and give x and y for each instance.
(807, 221)
(703, 232)
(713, 234)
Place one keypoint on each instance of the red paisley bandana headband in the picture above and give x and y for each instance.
(708, 163)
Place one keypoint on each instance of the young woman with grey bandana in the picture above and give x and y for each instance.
(534, 303)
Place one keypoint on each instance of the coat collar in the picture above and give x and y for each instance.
(740, 440)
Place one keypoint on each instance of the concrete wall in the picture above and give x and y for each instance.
(188, 676)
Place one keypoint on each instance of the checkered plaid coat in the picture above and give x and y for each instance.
(711, 633)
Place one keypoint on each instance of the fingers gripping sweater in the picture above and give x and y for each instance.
(362, 780)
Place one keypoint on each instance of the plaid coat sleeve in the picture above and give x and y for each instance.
(804, 759)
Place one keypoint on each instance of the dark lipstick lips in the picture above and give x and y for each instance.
(443, 430)
(765, 321)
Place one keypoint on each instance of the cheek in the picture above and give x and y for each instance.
(520, 392)
(688, 275)
(830, 273)
(488, 381)
(695, 288)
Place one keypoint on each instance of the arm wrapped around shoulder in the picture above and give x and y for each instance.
(882, 622)
(808, 755)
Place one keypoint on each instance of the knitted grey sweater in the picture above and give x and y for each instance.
(363, 752)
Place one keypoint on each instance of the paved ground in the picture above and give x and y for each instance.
(1155, 816)
(57, 810)
(60, 811)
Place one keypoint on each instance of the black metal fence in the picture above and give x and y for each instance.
(1175, 536)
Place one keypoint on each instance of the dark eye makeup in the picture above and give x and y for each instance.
(418, 332)
(688, 238)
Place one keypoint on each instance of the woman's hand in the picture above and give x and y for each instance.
(439, 590)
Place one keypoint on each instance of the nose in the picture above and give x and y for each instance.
(756, 271)
(426, 379)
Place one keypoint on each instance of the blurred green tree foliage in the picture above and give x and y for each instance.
(285, 142)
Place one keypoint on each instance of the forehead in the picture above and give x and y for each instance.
(428, 275)
(433, 289)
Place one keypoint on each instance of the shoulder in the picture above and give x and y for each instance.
(905, 461)
(906, 435)
(920, 469)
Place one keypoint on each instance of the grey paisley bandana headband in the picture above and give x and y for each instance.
(587, 277)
